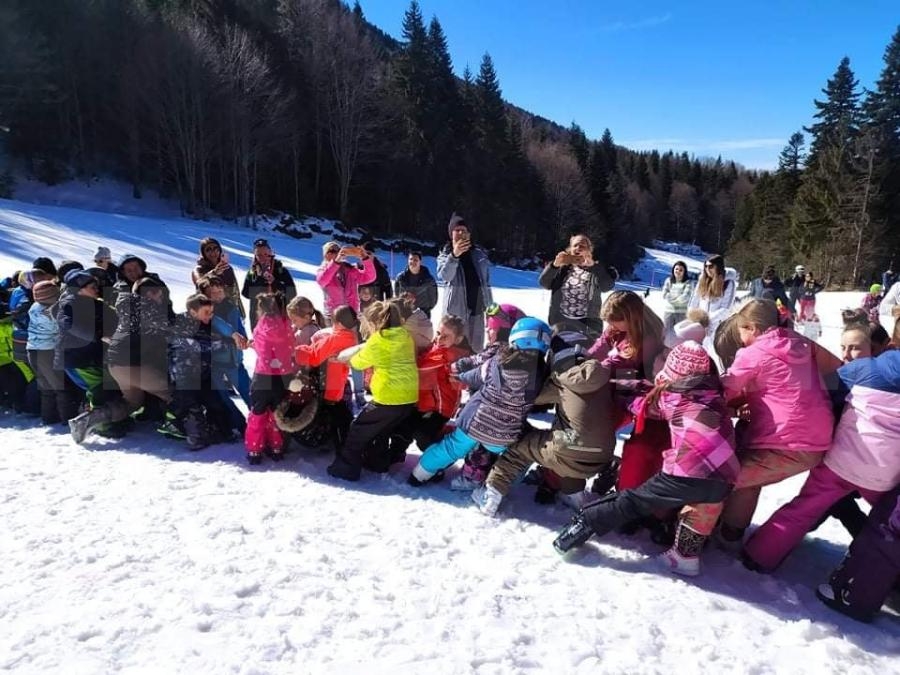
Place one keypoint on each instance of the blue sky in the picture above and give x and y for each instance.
(708, 78)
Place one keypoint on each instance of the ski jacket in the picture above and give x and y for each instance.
(866, 447)
(391, 354)
(325, 345)
(256, 283)
(450, 273)
(438, 391)
(422, 285)
(677, 295)
(273, 342)
(340, 282)
(779, 378)
(43, 329)
(83, 323)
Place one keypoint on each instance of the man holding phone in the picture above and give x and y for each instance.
(576, 282)
(465, 270)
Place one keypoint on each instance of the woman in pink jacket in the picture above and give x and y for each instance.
(864, 458)
(340, 280)
(787, 417)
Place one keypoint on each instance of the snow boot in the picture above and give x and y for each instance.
(340, 468)
(575, 534)
(420, 477)
(196, 429)
(81, 425)
(684, 556)
(487, 499)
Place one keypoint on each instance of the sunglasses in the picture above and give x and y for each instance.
(496, 310)
(333, 250)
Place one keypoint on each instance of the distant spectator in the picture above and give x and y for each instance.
(465, 269)
(889, 309)
(677, 291)
(795, 286)
(213, 260)
(266, 275)
(418, 282)
(340, 280)
(381, 287)
(889, 278)
(770, 287)
(576, 282)
(103, 260)
(871, 301)
(714, 294)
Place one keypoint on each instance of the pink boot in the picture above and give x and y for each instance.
(255, 436)
(274, 437)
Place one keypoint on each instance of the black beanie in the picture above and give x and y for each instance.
(44, 265)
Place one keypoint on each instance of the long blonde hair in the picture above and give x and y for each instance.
(642, 322)
(712, 288)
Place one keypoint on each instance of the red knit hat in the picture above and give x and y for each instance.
(685, 360)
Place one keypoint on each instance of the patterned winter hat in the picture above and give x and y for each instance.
(497, 317)
(102, 253)
(685, 360)
(46, 292)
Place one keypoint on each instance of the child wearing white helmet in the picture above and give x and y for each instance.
(505, 388)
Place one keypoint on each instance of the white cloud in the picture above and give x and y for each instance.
(701, 146)
(648, 22)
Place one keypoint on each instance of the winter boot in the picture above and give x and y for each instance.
(684, 556)
(274, 437)
(487, 499)
(80, 426)
(196, 429)
(341, 468)
(575, 534)
(606, 478)
(255, 437)
(420, 476)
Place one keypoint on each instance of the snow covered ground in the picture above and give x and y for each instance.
(139, 556)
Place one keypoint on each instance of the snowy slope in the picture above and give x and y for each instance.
(139, 556)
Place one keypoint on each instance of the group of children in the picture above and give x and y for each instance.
(686, 472)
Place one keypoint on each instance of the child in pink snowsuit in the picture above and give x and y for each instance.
(864, 457)
(273, 342)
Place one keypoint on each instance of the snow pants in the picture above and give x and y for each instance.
(781, 533)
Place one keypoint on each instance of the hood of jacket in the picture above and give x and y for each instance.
(784, 345)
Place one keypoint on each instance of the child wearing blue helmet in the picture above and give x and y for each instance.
(504, 389)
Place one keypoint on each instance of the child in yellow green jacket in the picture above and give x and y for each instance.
(390, 352)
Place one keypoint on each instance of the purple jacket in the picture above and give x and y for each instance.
(702, 436)
(340, 283)
(779, 378)
(866, 448)
(496, 411)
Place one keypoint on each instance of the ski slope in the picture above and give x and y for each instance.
(138, 556)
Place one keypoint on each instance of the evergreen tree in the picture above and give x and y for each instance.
(490, 111)
(579, 143)
(882, 113)
(838, 115)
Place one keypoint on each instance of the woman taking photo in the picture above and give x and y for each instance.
(576, 282)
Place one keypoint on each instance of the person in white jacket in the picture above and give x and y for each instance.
(677, 291)
(714, 294)
(889, 309)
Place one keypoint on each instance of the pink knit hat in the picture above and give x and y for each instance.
(502, 316)
(685, 360)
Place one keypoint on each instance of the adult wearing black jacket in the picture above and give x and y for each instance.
(381, 287)
(795, 286)
(576, 282)
(769, 287)
(266, 275)
(417, 281)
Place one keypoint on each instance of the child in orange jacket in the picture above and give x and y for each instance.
(329, 377)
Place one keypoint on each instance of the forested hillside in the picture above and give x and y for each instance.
(239, 107)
